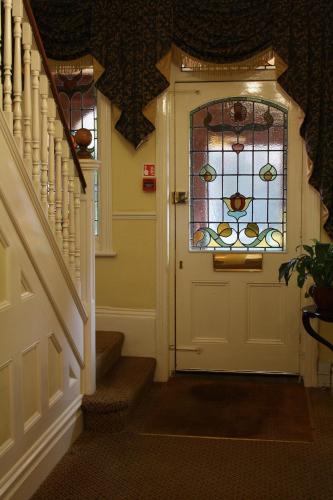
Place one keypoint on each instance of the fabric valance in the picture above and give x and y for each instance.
(130, 37)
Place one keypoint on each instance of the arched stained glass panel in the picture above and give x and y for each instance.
(238, 174)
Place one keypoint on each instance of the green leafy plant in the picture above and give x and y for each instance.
(315, 262)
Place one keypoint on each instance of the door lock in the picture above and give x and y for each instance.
(180, 197)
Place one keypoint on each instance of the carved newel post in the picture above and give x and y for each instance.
(83, 138)
(89, 167)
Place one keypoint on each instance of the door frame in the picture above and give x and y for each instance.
(165, 233)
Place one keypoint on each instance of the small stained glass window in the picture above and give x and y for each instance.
(79, 101)
(238, 176)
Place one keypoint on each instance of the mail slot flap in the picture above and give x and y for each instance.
(237, 262)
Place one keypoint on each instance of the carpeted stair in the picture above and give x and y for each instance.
(121, 382)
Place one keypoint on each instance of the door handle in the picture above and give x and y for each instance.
(180, 197)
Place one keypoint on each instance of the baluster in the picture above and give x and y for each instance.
(35, 71)
(1, 44)
(17, 108)
(27, 40)
(7, 60)
(58, 187)
(71, 218)
(44, 91)
(65, 204)
(77, 196)
(51, 115)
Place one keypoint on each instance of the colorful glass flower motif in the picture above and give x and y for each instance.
(224, 229)
(201, 238)
(252, 230)
(268, 173)
(237, 147)
(207, 173)
(237, 204)
(268, 118)
(240, 112)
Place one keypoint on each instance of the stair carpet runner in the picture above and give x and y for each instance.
(121, 383)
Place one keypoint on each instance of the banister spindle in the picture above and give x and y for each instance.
(58, 178)
(17, 87)
(35, 71)
(51, 116)
(77, 202)
(71, 218)
(1, 45)
(65, 203)
(7, 60)
(27, 40)
(44, 91)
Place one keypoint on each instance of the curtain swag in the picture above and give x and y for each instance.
(128, 38)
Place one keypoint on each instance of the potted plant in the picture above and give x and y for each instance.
(315, 262)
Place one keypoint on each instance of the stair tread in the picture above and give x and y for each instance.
(120, 388)
(108, 350)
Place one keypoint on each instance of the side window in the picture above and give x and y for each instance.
(79, 100)
(238, 170)
(85, 107)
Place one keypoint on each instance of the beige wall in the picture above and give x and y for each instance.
(128, 280)
(127, 167)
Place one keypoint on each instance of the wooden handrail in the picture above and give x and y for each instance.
(54, 90)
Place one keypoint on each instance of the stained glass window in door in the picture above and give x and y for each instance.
(238, 170)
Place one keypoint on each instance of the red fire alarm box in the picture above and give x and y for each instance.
(149, 179)
(149, 184)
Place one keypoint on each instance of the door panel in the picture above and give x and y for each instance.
(234, 320)
(217, 295)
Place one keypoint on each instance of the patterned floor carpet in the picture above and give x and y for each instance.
(130, 466)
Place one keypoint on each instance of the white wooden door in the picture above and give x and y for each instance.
(236, 320)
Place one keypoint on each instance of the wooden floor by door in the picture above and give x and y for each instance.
(238, 154)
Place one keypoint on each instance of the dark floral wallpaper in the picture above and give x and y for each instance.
(129, 37)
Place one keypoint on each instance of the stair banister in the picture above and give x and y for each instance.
(47, 255)
(27, 43)
(53, 87)
(7, 60)
(32, 108)
(17, 86)
(70, 212)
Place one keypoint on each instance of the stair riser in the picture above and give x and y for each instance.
(107, 361)
(115, 421)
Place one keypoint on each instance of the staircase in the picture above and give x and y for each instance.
(47, 264)
(47, 276)
(121, 382)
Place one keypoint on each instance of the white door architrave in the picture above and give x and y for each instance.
(165, 307)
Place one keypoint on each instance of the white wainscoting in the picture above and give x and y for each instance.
(138, 326)
(36, 464)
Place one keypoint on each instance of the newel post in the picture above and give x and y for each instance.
(87, 251)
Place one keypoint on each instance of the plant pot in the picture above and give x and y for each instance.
(323, 297)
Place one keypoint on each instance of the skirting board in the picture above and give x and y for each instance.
(325, 371)
(138, 326)
(29, 472)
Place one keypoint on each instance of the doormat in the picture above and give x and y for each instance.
(228, 407)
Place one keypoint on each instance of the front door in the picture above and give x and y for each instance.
(238, 156)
